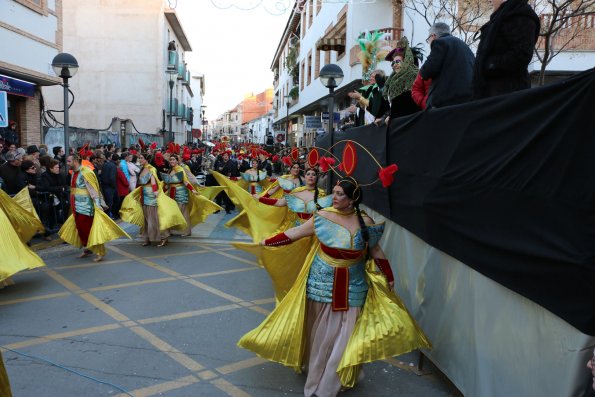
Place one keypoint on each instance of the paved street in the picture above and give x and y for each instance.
(160, 322)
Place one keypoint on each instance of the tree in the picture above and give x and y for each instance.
(563, 24)
(465, 17)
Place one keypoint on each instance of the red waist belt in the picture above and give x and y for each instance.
(340, 298)
(305, 216)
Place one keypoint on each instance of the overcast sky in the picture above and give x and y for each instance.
(232, 47)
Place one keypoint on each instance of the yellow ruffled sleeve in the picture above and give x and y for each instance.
(281, 337)
(4, 384)
(22, 221)
(384, 329)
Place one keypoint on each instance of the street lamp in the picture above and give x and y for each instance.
(65, 66)
(331, 77)
(171, 70)
(287, 98)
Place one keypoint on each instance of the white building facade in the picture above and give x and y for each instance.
(199, 123)
(319, 33)
(122, 84)
(31, 36)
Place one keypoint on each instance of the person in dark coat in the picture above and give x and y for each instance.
(450, 66)
(11, 174)
(55, 206)
(107, 179)
(229, 168)
(505, 49)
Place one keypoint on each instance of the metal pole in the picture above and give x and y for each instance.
(66, 132)
(287, 126)
(171, 89)
(331, 130)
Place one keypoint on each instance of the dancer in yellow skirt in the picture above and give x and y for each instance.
(194, 207)
(150, 208)
(88, 226)
(4, 385)
(17, 226)
(341, 311)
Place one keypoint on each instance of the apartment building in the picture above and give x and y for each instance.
(319, 33)
(31, 36)
(130, 54)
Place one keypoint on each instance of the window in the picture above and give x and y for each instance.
(317, 65)
(40, 6)
(302, 76)
(310, 12)
(309, 67)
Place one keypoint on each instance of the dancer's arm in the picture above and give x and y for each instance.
(295, 233)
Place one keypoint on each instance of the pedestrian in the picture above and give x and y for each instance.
(108, 180)
(53, 182)
(229, 168)
(506, 46)
(88, 207)
(133, 169)
(122, 187)
(11, 174)
(449, 65)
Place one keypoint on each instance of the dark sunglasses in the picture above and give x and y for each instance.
(395, 62)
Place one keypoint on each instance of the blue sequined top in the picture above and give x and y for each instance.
(320, 280)
(175, 182)
(83, 202)
(298, 205)
(254, 186)
(149, 197)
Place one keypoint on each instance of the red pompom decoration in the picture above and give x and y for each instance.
(159, 160)
(275, 158)
(287, 161)
(325, 163)
(386, 175)
(153, 146)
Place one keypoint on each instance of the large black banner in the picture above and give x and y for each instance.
(505, 184)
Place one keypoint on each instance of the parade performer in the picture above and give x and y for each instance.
(286, 182)
(256, 179)
(4, 384)
(17, 226)
(88, 226)
(209, 192)
(193, 206)
(341, 311)
(151, 209)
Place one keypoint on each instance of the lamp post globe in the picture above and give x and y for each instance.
(65, 66)
(331, 76)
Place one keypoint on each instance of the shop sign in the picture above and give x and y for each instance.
(16, 87)
(3, 109)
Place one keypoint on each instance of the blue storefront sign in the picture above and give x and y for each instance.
(16, 87)
(313, 122)
(336, 118)
(3, 110)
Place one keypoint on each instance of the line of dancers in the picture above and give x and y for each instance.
(336, 308)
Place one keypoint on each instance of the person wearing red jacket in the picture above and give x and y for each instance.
(420, 91)
(122, 186)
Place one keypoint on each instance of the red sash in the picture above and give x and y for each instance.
(340, 298)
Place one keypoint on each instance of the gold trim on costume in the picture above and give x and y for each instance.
(80, 191)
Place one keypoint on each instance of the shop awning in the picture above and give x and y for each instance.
(337, 44)
(335, 38)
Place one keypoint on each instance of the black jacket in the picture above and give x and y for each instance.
(505, 49)
(52, 183)
(13, 177)
(450, 66)
(108, 175)
(230, 168)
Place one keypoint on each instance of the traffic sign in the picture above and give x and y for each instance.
(3, 109)
(280, 137)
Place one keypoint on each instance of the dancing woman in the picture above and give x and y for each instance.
(302, 201)
(255, 178)
(193, 206)
(341, 311)
(88, 226)
(286, 182)
(151, 209)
